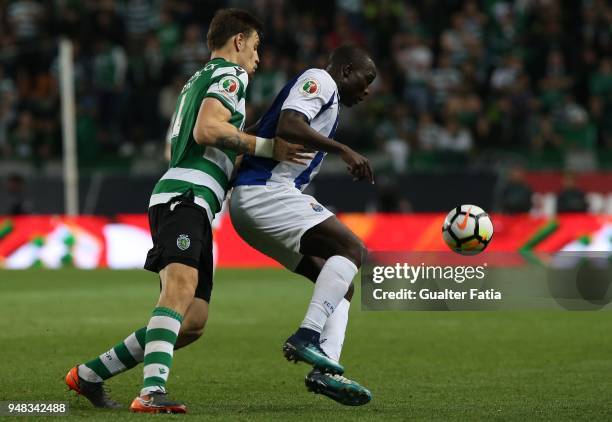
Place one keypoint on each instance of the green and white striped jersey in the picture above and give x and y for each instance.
(203, 170)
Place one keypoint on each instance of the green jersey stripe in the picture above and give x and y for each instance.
(163, 198)
(196, 177)
(180, 187)
(221, 159)
(206, 166)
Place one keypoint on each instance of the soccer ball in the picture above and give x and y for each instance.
(467, 230)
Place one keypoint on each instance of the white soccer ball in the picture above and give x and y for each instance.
(467, 230)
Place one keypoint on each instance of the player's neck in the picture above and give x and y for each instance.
(226, 54)
(336, 75)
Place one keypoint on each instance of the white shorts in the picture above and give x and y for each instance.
(273, 219)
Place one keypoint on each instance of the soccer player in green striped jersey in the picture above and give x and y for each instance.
(206, 136)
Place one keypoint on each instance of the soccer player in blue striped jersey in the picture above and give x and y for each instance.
(271, 213)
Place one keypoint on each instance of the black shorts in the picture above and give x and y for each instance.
(181, 233)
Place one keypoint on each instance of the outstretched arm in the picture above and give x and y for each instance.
(294, 126)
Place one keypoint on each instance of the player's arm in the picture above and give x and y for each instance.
(212, 128)
(293, 125)
(252, 130)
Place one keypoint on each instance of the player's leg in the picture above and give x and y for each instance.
(87, 379)
(193, 324)
(183, 234)
(273, 219)
(342, 251)
(197, 313)
(179, 283)
(332, 336)
(336, 387)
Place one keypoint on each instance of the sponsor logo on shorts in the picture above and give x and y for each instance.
(183, 242)
(316, 207)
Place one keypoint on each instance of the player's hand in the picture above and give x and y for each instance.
(294, 153)
(357, 165)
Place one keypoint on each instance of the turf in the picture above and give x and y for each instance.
(419, 366)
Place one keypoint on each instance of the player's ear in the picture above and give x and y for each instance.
(347, 69)
(239, 41)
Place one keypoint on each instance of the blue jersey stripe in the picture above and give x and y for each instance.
(258, 170)
(304, 177)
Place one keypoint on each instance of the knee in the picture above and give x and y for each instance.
(184, 284)
(192, 334)
(178, 288)
(356, 251)
(189, 334)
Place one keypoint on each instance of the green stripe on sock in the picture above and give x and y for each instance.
(161, 334)
(167, 312)
(125, 356)
(158, 357)
(140, 336)
(154, 382)
(99, 368)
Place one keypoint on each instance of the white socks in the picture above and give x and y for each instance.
(331, 286)
(332, 336)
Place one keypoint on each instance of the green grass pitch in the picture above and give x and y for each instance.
(419, 366)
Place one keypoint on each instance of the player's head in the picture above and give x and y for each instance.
(236, 33)
(353, 70)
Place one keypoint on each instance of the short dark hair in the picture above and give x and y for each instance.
(228, 22)
(350, 54)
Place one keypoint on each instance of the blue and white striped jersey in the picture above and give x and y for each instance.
(312, 93)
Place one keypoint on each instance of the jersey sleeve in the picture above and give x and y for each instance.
(311, 92)
(228, 85)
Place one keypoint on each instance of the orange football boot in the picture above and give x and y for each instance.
(92, 391)
(156, 402)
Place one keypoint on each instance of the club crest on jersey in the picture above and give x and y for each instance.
(316, 207)
(310, 87)
(183, 242)
(229, 85)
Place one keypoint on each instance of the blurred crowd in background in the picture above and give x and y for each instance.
(460, 82)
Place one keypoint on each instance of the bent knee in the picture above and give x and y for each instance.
(179, 281)
(192, 334)
(356, 251)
